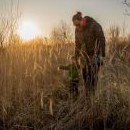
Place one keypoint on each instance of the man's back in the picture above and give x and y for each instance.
(87, 38)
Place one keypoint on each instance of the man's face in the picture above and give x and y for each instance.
(76, 23)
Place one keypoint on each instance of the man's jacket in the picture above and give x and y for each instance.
(90, 40)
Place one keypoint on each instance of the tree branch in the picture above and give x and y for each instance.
(127, 3)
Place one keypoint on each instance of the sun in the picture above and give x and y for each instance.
(28, 30)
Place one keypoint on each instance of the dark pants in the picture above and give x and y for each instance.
(73, 88)
(90, 77)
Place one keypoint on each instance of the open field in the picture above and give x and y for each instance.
(33, 93)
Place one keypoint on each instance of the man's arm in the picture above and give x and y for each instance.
(100, 39)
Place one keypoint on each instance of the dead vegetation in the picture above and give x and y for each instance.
(34, 94)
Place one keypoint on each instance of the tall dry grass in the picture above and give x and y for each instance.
(28, 75)
(33, 93)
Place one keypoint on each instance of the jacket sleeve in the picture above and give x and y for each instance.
(77, 45)
(100, 39)
(64, 67)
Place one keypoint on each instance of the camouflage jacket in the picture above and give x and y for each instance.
(73, 73)
(90, 40)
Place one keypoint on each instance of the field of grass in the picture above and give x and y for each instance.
(33, 93)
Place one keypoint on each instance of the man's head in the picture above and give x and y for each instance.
(77, 19)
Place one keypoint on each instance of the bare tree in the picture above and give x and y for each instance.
(127, 4)
(62, 33)
(8, 24)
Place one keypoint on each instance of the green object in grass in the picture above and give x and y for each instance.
(73, 73)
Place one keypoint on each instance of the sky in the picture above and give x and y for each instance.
(48, 13)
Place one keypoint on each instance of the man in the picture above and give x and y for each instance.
(90, 46)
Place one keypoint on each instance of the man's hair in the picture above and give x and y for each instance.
(77, 16)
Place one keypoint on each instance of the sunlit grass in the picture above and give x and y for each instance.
(33, 93)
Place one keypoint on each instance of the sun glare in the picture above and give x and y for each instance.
(28, 30)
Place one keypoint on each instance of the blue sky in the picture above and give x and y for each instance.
(48, 13)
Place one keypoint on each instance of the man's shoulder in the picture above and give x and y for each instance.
(92, 21)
